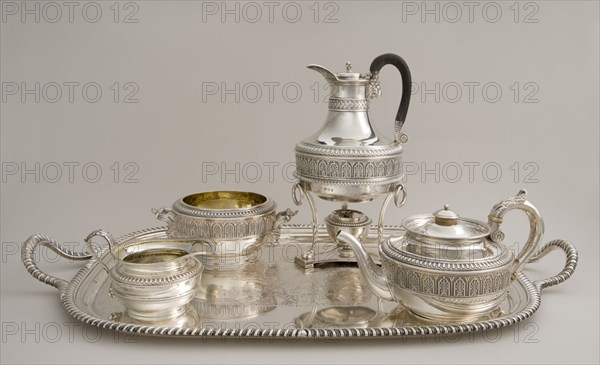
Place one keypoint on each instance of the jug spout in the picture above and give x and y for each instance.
(372, 274)
(329, 76)
(347, 122)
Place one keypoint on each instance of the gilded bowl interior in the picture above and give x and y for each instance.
(225, 200)
(159, 251)
(155, 255)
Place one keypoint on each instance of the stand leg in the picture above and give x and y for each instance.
(311, 257)
(382, 216)
(315, 223)
(298, 194)
(399, 195)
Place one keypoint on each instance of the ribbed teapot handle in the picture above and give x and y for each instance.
(536, 223)
(395, 60)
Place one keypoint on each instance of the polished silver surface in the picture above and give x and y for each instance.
(448, 267)
(154, 279)
(237, 294)
(331, 301)
(313, 256)
(237, 222)
(345, 160)
(350, 221)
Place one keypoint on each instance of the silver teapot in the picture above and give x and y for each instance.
(446, 267)
(346, 160)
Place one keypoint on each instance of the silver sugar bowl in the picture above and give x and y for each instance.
(237, 222)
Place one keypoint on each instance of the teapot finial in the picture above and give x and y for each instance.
(446, 217)
(348, 66)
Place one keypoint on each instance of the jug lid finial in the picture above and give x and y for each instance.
(348, 66)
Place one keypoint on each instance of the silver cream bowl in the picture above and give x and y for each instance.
(153, 279)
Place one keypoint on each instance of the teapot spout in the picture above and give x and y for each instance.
(371, 273)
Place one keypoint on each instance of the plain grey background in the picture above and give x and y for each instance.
(505, 97)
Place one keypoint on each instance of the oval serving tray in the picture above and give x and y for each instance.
(273, 298)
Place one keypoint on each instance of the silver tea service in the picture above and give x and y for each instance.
(227, 264)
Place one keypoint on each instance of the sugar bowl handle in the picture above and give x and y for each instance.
(400, 64)
(283, 217)
(277, 221)
(164, 214)
(536, 224)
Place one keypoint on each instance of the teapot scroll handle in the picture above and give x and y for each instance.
(536, 224)
(400, 64)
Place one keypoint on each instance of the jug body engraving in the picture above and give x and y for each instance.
(346, 160)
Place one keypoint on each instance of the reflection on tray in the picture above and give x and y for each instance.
(235, 294)
(338, 317)
(272, 297)
(188, 319)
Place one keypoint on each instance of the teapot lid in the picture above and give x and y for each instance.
(447, 241)
(446, 224)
